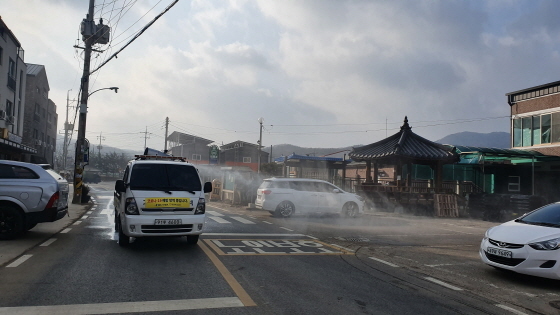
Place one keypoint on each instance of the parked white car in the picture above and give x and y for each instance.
(284, 197)
(528, 245)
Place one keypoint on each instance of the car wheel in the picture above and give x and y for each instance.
(285, 209)
(11, 222)
(124, 240)
(350, 210)
(192, 239)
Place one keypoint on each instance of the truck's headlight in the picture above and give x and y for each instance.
(130, 206)
(201, 206)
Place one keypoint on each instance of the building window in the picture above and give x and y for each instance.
(1, 56)
(9, 108)
(49, 117)
(514, 183)
(246, 159)
(12, 75)
(545, 128)
(196, 157)
(555, 134)
(536, 130)
(526, 131)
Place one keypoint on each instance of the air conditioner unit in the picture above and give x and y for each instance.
(2, 114)
(9, 120)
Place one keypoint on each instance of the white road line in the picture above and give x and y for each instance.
(267, 222)
(219, 220)
(215, 213)
(105, 197)
(77, 222)
(89, 212)
(242, 220)
(126, 307)
(447, 285)
(65, 231)
(252, 234)
(84, 217)
(384, 262)
(286, 229)
(439, 265)
(313, 237)
(347, 249)
(48, 242)
(507, 308)
(18, 262)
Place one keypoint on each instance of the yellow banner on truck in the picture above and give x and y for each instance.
(169, 203)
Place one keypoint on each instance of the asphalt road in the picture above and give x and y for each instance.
(248, 262)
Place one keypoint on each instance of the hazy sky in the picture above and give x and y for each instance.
(322, 73)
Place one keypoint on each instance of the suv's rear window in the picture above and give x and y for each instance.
(274, 184)
(165, 177)
(13, 171)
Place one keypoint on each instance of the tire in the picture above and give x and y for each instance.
(285, 209)
(124, 240)
(350, 210)
(192, 239)
(11, 222)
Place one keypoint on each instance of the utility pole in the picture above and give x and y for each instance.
(80, 161)
(65, 146)
(100, 137)
(261, 120)
(166, 130)
(145, 137)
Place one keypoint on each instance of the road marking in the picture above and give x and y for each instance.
(48, 242)
(84, 217)
(267, 222)
(447, 285)
(219, 220)
(384, 262)
(347, 249)
(19, 261)
(65, 231)
(126, 307)
(77, 222)
(242, 220)
(439, 265)
(273, 247)
(507, 308)
(106, 211)
(235, 286)
(215, 213)
(253, 234)
(89, 212)
(286, 229)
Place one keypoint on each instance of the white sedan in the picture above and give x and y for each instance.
(528, 245)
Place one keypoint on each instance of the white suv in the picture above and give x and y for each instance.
(286, 196)
(160, 196)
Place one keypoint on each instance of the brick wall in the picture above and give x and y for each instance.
(536, 104)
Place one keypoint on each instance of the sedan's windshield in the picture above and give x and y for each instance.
(164, 177)
(548, 216)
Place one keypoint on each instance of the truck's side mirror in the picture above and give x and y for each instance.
(207, 187)
(120, 187)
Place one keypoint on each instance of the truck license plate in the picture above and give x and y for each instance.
(168, 221)
(499, 252)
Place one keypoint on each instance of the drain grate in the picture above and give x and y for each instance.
(352, 239)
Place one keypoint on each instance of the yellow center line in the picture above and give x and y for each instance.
(235, 286)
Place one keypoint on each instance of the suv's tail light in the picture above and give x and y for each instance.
(201, 206)
(266, 192)
(53, 202)
(130, 206)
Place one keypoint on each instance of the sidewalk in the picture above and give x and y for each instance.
(12, 249)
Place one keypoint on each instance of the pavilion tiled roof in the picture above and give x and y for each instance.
(405, 145)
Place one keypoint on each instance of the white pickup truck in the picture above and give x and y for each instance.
(29, 194)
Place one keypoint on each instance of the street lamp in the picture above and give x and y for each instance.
(81, 147)
(114, 88)
(261, 120)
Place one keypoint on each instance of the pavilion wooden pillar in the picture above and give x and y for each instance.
(376, 172)
(368, 171)
(438, 177)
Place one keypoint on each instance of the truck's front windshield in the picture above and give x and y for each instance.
(165, 177)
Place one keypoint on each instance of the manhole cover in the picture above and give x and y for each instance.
(555, 304)
(352, 239)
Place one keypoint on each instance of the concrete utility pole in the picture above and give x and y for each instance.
(100, 137)
(80, 162)
(166, 130)
(65, 146)
(261, 120)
